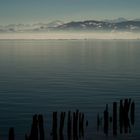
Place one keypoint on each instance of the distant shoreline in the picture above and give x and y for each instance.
(136, 39)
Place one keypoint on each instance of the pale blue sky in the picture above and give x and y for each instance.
(33, 11)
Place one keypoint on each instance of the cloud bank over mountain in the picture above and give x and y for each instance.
(120, 24)
(120, 28)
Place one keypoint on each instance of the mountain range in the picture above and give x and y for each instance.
(120, 24)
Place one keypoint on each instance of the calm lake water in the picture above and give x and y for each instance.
(41, 76)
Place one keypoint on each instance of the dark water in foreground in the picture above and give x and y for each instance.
(41, 76)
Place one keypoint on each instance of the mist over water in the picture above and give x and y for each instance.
(71, 35)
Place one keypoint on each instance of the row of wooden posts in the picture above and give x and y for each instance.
(122, 119)
(75, 127)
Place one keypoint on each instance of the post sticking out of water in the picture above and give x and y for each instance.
(126, 115)
(74, 124)
(121, 116)
(69, 125)
(106, 120)
(81, 125)
(11, 134)
(54, 129)
(34, 129)
(132, 114)
(62, 119)
(115, 118)
(76, 121)
(41, 127)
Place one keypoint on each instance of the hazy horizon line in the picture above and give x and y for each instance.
(72, 36)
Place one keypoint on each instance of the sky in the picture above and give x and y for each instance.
(34, 11)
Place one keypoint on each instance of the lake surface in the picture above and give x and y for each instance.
(41, 76)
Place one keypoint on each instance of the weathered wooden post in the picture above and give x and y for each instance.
(54, 122)
(121, 116)
(126, 115)
(115, 118)
(69, 125)
(82, 124)
(34, 129)
(75, 125)
(54, 129)
(41, 127)
(132, 114)
(11, 134)
(106, 120)
(76, 121)
(62, 118)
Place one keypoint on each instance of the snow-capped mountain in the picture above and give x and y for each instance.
(120, 24)
(92, 25)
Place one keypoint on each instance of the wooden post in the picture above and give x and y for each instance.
(62, 119)
(126, 113)
(69, 125)
(82, 124)
(132, 114)
(76, 121)
(75, 124)
(11, 134)
(54, 129)
(121, 116)
(41, 127)
(115, 118)
(34, 129)
(106, 120)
